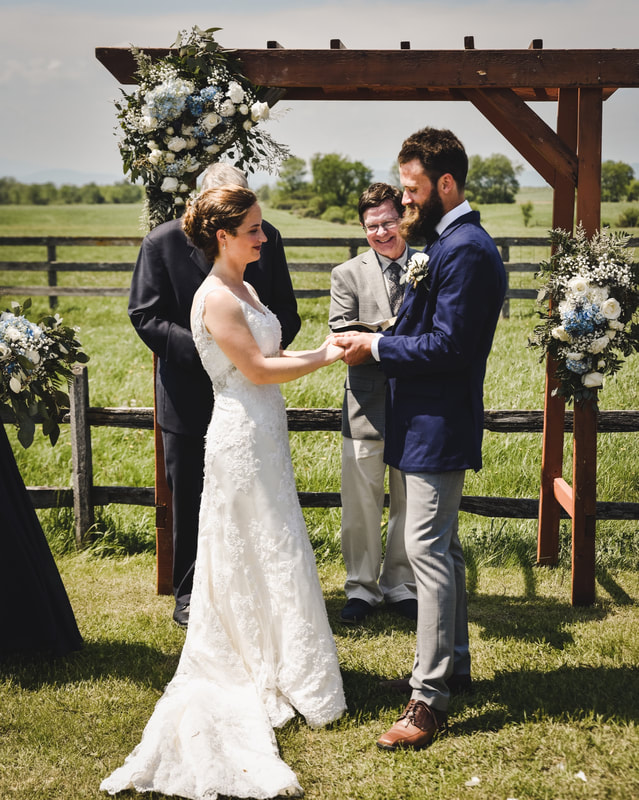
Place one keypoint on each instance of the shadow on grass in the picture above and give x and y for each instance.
(96, 660)
(568, 693)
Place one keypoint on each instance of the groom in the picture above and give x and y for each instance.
(435, 359)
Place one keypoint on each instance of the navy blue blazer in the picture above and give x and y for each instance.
(168, 272)
(435, 355)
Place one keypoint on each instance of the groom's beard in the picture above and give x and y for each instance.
(419, 222)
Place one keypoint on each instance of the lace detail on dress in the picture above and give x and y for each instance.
(258, 645)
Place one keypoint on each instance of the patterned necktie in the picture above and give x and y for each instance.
(396, 290)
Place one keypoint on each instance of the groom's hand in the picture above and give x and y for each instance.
(357, 346)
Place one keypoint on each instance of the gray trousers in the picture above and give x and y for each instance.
(437, 559)
(363, 471)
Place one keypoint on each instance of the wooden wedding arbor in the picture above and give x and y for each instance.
(500, 84)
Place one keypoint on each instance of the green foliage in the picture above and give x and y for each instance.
(629, 218)
(633, 191)
(292, 175)
(338, 181)
(12, 192)
(527, 212)
(492, 179)
(615, 180)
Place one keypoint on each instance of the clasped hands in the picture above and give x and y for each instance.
(356, 346)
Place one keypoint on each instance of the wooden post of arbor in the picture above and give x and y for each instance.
(580, 123)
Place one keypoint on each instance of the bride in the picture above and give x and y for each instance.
(258, 646)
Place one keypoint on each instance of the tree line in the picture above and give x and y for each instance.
(15, 193)
(332, 189)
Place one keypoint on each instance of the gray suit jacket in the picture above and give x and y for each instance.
(358, 292)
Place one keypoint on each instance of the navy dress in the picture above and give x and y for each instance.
(36, 615)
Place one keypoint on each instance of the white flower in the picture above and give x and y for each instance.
(155, 157)
(575, 356)
(597, 294)
(34, 356)
(210, 121)
(176, 144)
(183, 188)
(179, 201)
(191, 142)
(148, 123)
(5, 352)
(236, 93)
(243, 109)
(616, 325)
(212, 149)
(601, 364)
(560, 333)
(187, 130)
(15, 384)
(227, 109)
(599, 344)
(578, 285)
(416, 269)
(247, 124)
(169, 185)
(611, 333)
(152, 145)
(611, 308)
(259, 111)
(591, 380)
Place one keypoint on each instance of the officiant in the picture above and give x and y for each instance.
(365, 291)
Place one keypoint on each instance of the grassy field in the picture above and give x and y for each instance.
(554, 715)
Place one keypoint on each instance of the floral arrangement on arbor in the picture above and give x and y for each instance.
(190, 108)
(593, 288)
(35, 362)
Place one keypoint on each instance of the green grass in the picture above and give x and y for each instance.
(557, 688)
(557, 694)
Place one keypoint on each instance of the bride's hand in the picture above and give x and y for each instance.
(333, 351)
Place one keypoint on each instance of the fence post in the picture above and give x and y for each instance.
(52, 274)
(505, 257)
(82, 459)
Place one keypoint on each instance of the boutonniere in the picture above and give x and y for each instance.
(416, 269)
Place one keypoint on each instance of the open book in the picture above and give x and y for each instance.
(358, 325)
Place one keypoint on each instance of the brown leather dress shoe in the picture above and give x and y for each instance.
(415, 729)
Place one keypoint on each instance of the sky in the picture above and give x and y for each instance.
(57, 101)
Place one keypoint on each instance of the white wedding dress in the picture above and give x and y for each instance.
(258, 646)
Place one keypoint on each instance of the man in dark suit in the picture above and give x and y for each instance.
(435, 359)
(167, 274)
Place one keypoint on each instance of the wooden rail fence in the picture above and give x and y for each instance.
(83, 495)
(351, 245)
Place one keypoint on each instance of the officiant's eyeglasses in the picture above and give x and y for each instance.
(387, 224)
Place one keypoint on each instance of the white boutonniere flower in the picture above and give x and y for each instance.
(416, 269)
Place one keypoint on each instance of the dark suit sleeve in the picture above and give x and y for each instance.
(151, 308)
(281, 298)
(466, 288)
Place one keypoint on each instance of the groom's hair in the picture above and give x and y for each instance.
(439, 151)
(375, 195)
(221, 209)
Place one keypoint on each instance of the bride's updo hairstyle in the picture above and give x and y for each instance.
(220, 209)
